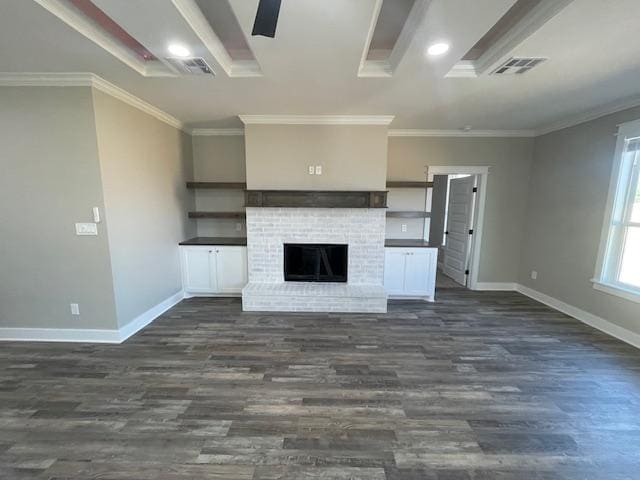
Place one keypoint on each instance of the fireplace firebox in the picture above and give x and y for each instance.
(315, 262)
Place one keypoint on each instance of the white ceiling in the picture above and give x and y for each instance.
(310, 68)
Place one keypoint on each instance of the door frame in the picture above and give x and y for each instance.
(482, 173)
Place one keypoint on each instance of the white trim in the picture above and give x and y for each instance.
(376, 68)
(316, 119)
(461, 133)
(594, 321)
(457, 170)
(476, 246)
(463, 69)
(200, 25)
(88, 335)
(82, 79)
(109, 88)
(59, 335)
(495, 286)
(213, 132)
(617, 290)
(149, 316)
(593, 114)
(81, 24)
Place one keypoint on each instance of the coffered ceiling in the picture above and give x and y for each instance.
(346, 57)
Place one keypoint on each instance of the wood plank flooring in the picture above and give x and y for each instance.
(480, 385)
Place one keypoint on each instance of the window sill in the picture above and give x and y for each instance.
(617, 290)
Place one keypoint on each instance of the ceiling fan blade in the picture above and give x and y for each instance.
(266, 18)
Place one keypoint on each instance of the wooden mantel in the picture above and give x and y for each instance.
(315, 199)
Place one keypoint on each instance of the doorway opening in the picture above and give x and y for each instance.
(455, 228)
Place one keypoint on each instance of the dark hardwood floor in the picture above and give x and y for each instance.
(476, 386)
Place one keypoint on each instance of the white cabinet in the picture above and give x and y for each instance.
(213, 270)
(410, 272)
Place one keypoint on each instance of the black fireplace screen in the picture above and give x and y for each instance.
(315, 262)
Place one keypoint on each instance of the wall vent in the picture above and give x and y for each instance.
(517, 65)
(191, 66)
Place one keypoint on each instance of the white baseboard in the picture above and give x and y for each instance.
(495, 286)
(149, 316)
(89, 335)
(594, 321)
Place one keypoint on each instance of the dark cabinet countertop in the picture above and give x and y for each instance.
(238, 241)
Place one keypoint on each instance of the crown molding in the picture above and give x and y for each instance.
(461, 133)
(316, 119)
(217, 132)
(80, 79)
(589, 115)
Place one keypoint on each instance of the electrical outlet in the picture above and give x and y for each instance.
(534, 275)
(86, 229)
(403, 227)
(312, 170)
(75, 309)
(318, 169)
(238, 227)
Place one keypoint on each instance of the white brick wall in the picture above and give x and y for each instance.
(268, 229)
(361, 229)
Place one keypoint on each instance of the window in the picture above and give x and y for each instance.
(618, 269)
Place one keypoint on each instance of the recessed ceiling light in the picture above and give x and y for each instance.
(179, 50)
(438, 49)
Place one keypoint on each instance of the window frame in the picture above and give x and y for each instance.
(625, 174)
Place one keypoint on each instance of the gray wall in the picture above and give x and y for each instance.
(50, 179)
(145, 164)
(438, 207)
(510, 162)
(219, 159)
(353, 157)
(567, 196)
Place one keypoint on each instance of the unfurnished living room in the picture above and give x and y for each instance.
(304, 239)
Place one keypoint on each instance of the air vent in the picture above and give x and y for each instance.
(516, 66)
(191, 66)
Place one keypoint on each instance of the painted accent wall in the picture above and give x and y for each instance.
(49, 180)
(145, 164)
(566, 205)
(353, 157)
(509, 160)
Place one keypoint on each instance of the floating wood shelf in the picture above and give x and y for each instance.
(218, 185)
(216, 214)
(409, 184)
(408, 214)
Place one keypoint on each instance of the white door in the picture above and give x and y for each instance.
(419, 269)
(199, 269)
(394, 260)
(459, 221)
(232, 269)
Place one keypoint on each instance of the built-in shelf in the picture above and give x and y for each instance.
(218, 185)
(409, 184)
(408, 214)
(216, 214)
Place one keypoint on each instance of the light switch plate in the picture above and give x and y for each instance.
(75, 309)
(534, 275)
(318, 169)
(86, 229)
(311, 170)
(404, 227)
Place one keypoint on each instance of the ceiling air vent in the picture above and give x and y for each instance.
(515, 66)
(191, 66)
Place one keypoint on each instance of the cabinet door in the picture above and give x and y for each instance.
(231, 269)
(199, 269)
(419, 277)
(394, 265)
